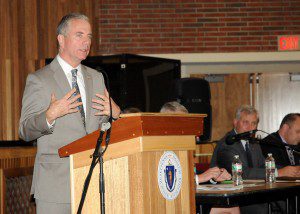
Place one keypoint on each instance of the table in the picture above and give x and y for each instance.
(261, 193)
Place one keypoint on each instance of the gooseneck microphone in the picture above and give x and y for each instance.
(231, 139)
(250, 135)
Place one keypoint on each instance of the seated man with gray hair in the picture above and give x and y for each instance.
(246, 119)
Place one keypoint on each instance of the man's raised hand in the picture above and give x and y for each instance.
(66, 105)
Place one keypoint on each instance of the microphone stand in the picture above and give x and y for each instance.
(107, 139)
(101, 172)
(98, 157)
(282, 147)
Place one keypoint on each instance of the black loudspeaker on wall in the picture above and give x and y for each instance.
(194, 94)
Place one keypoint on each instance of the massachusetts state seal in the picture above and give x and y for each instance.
(169, 175)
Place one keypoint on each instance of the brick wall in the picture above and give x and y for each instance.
(195, 26)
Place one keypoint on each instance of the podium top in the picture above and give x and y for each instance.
(138, 125)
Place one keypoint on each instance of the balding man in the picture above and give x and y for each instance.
(282, 143)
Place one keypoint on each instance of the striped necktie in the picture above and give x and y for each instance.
(289, 151)
(75, 85)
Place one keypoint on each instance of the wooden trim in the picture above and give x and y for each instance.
(139, 126)
(16, 172)
(192, 182)
(2, 192)
(72, 184)
(137, 145)
(17, 152)
(161, 143)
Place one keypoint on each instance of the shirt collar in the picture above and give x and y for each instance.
(283, 140)
(66, 66)
(242, 141)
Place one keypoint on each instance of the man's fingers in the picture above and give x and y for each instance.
(73, 110)
(102, 97)
(70, 93)
(73, 99)
(215, 169)
(100, 102)
(101, 108)
(75, 105)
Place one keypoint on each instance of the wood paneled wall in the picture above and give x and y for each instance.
(17, 157)
(28, 37)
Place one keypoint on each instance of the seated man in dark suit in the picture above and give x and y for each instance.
(246, 119)
(284, 141)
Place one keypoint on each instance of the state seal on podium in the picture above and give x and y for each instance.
(169, 175)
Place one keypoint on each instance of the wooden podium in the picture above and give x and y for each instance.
(131, 164)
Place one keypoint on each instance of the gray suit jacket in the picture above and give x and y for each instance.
(223, 157)
(51, 177)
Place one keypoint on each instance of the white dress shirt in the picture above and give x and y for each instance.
(67, 69)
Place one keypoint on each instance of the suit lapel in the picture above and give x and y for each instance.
(88, 82)
(241, 147)
(284, 151)
(63, 84)
(243, 156)
(60, 77)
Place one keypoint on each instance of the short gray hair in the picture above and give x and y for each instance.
(173, 107)
(246, 109)
(64, 22)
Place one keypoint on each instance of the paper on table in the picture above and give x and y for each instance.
(220, 187)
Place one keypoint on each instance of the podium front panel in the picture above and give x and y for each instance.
(131, 185)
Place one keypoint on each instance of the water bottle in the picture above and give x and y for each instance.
(237, 170)
(270, 169)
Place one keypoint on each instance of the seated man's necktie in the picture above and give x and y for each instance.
(75, 85)
(289, 151)
(249, 155)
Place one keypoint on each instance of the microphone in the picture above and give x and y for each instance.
(279, 144)
(250, 135)
(231, 139)
(105, 126)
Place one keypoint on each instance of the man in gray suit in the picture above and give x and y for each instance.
(62, 102)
